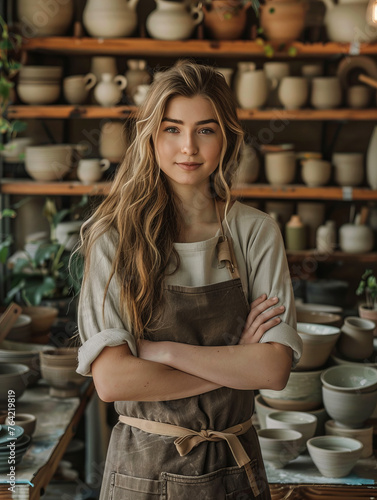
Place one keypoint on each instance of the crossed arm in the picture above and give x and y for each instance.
(170, 370)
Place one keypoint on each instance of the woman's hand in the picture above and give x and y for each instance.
(260, 319)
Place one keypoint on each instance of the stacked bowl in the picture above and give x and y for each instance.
(13, 377)
(25, 354)
(39, 84)
(14, 443)
(58, 368)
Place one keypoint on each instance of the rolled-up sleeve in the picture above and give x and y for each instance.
(98, 330)
(269, 273)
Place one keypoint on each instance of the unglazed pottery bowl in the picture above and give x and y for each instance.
(302, 392)
(42, 318)
(64, 382)
(349, 378)
(319, 318)
(303, 422)
(13, 376)
(334, 456)
(318, 342)
(279, 446)
(263, 409)
(356, 340)
(25, 354)
(61, 356)
(364, 435)
(349, 408)
(25, 420)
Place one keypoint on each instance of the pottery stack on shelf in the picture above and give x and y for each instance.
(21, 443)
(39, 84)
(58, 368)
(279, 446)
(25, 354)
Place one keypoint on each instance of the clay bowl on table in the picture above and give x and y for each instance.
(303, 422)
(61, 356)
(364, 435)
(263, 409)
(25, 420)
(347, 378)
(302, 392)
(279, 446)
(23, 353)
(349, 408)
(14, 377)
(64, 382)
(21, 329)
(318, 342)
(42, 318)
(334, 456)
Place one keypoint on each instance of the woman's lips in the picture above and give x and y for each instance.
(189, 165)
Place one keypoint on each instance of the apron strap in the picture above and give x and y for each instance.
(187, 439)
(225, 251)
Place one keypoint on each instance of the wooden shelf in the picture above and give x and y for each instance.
(151, 47)
(313, 255)
(254, 191)
(63, 111)
(298, 191)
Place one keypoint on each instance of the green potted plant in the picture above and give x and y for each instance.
(43, 277)
(368, 288)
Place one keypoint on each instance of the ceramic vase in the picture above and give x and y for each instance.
(293, 92)
(110, 19)
(136, 74)
(326, 92)
(252, 89)
(295, 234)
(225, 19)
(312, 215)
(103, 64)
(326, 237)
(171, 20)
(282, 22)
(348, 168)
(371, 160)
(109, 91)
(370, 314)
(356, 339)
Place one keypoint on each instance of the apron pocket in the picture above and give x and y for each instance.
(124, 487)
(218, 485)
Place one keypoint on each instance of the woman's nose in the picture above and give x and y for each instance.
(189, 146)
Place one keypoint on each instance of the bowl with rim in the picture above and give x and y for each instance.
(13, 376)
(319, 318)
(334, 456)
(302, 392)
(350, 378)
(318, 342)
(279, 446)
(364, 435)
(300, 421)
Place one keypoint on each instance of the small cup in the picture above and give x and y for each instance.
(91, 169)
(315, 173)
(76, 88)
(358, 96)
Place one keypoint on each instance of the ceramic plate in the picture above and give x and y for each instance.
(5, 436)
(357, 65)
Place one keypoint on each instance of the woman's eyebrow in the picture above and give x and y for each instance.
(180, 122)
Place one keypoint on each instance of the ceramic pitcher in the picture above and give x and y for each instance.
(172, 21)
(110, 19)
(109, 91)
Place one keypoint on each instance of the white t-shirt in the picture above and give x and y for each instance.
(262, 264)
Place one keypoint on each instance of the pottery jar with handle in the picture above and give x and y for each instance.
(171, 20)
(91, 169)
(110, 19)
(108, 91)
(76, 88)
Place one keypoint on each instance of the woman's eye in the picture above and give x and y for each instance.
(171, 130)
(206, 131)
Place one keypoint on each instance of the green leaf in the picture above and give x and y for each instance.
(4, 125)
(35, 291)
(45, 252)
(20, 265)
(59, 216)
(18, 126)
(16, 288)
(8, 212)
(5, 44)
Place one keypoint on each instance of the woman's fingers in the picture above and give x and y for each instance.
(258, 306)
(252, 336)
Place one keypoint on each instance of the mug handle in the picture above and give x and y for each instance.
(105, 164)
(90, 80)
(121, 81)
(199, 11)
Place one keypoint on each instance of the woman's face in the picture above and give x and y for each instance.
(189, 142)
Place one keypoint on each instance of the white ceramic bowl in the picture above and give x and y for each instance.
(38, 93)
(302, 392)
(303, 422)
(315, 172)
(279, 446)
(318, 342)
(40, 72)
(334, 456)
(349, 378)
(364, 435)
(349, 408)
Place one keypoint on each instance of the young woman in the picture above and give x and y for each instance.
(186, 306)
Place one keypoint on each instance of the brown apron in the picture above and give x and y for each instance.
(199, 456)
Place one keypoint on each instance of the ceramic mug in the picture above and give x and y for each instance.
(91, 170)
(293, 91)
(76, 87)
(356, 339)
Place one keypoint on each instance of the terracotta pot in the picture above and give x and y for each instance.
(226, 19)
(370, 314)
(282, 22)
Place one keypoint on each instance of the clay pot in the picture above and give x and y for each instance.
(358, 97)
(171, 20)
(318, 342)
(252, 89)
(112, 143)
(293, 92)
(303, 422)
(91, 169)
(356, 238)
(315, 172)
(326, 92)
(295, 234)
(225, 20)
(108, 91)
(248, 169)
(282, 22)
(370, 314)
(110, 19)
(25, 420)
(76, 88)
(326, 237)
(356, 340)
(275, 72)
(348, 168)
(364, 435)
(280, 167)
(47, 19)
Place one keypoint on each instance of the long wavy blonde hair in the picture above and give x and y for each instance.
(141, 206)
